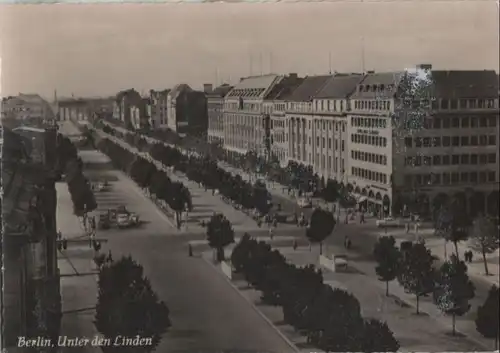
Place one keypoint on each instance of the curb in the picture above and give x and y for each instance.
(254, 307)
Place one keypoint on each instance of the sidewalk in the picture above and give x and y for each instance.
(415, 333)
(78, 285)
(437, 246)
(204, 203)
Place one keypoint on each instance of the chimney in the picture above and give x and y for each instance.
(424, 67)
(207, 88)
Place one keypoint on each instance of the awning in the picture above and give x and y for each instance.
(362, 199)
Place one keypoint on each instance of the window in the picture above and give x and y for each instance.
(342, 145)
(483, 159)
(464, 159)
(464, 177)
(492, 140)
(454, 103)
(437, 141)
(436, 179)
(492, 122)
(473, 140)
(446, 178)
(418, 142)
(427, 141)
(436, 124)
(444, 104)
(473, 122)
(483, 122)
(446, 141)
(455, 141)
(465, 121)
(455, 159)
(464, 141)
(427, 160)
(491, 177)
(482, 177)
(455, 122)
(446, 159)
(408, 141)
(483, 140)
(492, 158)
(436, 160)
(446, 123)
(454, 178)
(418, 161)
(473, 177)
(473, 159)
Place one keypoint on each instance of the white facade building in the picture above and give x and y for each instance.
(27, 107)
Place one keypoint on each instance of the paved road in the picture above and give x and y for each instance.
(207, 314)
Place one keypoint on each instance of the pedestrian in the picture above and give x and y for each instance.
(471, 255)
(346, 239)
(271, 233)
(109, 258)
(190, 250)
(294, 244)
(407, 227)
(466, 256)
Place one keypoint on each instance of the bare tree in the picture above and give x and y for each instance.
(484, 238)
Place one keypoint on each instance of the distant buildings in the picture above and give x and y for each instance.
(129, 108)
(158, 111)
(187, 111)
(28, 108)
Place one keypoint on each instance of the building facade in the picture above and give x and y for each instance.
(300, 120)
(454, 153)
(187, 111)
(329, 128)
(246, 122)
(31, 289)
(129, 109)
(370, 144)
(158, 108)
(28, 108)
(215, 106)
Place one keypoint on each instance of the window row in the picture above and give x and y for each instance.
(369, 122)
(454, 104)
(369, 175)
(320, 124)
(323, 143)
(372, 105)
(460, 122)
(450, 178)
(369, 140)
(455, 141)
(329, 105)
(369, 157)
(454, 159)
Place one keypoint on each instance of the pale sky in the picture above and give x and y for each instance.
(92, 50)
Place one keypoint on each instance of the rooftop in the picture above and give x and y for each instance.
(465, 84)
(285, 87)
(340, 86)
(378, 85)
(309, 88)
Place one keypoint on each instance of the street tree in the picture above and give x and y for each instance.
(127, 306)
(454, 289)
(377, 337)
(388, 259)
(331, 193)
(321, 227)
(484, 238)
(220, 234)
(453, 224)
(487, 316)
(417, 273)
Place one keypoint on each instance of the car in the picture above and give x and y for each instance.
(388, 222)
(123, 220)
(304, 202)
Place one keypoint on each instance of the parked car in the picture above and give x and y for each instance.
(304, 202)
(388, 222)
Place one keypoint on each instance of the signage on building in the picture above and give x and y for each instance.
(368, 132)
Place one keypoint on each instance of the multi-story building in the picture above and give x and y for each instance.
(246, 122)
(299, 117)
(129, 108)
(454, 153)
(187, 111)
(28, 108)
(31, 300)
(215, 105)
(370, 146)
(275, 106)
(329, 128)
(158, 108)
(409, 153)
